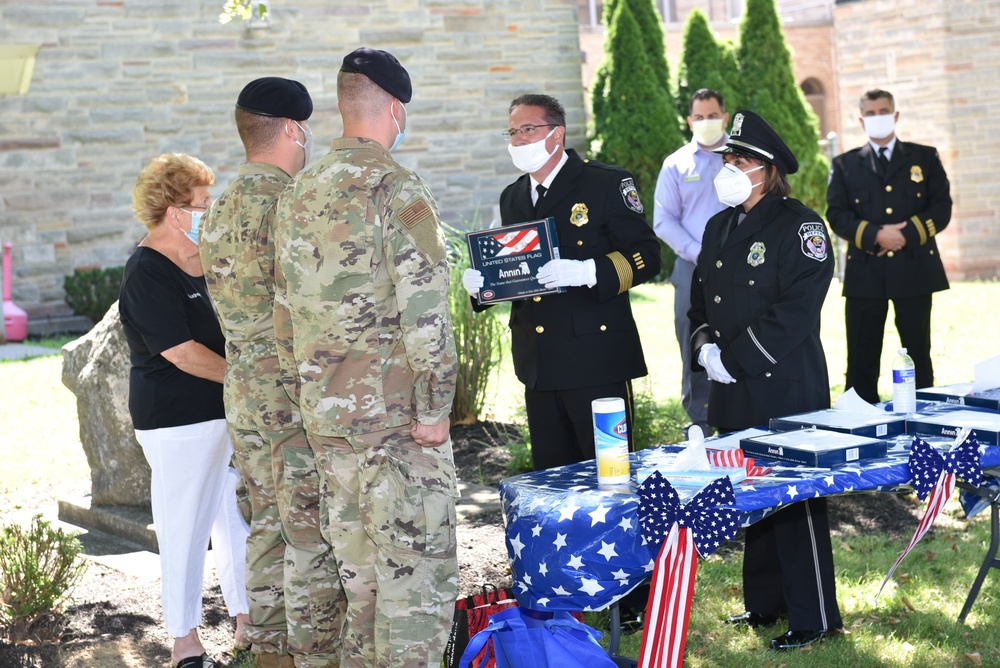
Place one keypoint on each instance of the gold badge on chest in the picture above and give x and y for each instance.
(756, 256)
(916, 174)
(578, 216)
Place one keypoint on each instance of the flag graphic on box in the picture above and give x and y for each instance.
(509, 243)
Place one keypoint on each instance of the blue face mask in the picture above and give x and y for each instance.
(400, 134)
(195, 222)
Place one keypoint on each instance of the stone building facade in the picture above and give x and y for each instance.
(116, 83)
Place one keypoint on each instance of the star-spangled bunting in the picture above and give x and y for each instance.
(711, 523)
(933, 477)
(926, 464)
(703, 523)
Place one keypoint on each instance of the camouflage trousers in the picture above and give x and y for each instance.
(296, 602)
(388, 512)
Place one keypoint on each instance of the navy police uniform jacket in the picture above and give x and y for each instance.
(584, 336)
(758, 295)
(859, 199)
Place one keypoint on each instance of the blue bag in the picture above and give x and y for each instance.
(524, 638)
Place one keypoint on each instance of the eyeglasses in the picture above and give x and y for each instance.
(525, 130)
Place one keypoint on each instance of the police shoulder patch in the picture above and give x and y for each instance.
(415, 212)
(814, 243)
(631, 195)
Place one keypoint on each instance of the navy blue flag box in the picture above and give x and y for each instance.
(947, 423)
(884, 425)
(818, 448)
(961, 394)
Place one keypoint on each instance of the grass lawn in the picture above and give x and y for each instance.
(914, 623)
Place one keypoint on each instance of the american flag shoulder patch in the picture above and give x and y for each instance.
(415, 213)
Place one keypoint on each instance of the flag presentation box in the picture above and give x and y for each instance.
(872, 425)
(986, 425)
(961, 394)
(509, 258)
(818, 448)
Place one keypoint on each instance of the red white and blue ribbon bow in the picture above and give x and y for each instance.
(703, 523)
(933, 475)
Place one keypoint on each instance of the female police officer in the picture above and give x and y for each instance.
(763, 273)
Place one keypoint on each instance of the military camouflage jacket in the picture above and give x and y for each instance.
(237, 253)
(361, 270)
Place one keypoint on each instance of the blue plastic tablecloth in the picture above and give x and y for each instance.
(575, 546)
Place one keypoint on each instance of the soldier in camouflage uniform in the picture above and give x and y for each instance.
(361, 269)
(296, 601)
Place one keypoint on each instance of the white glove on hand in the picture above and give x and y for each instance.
(710, 357)
(568, 273)
(472, 280)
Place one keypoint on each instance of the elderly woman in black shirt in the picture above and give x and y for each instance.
(175, 400)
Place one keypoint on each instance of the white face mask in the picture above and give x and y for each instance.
(733, 186)
(707, 131)
(307, 147)
(879, 127)
(531, 157)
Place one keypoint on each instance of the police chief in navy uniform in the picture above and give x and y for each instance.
(764, 270)
(889, 210)
(582, 344)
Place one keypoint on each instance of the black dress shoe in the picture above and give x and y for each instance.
(797, 639)
(754, 620)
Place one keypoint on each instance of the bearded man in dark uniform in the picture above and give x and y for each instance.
(582, 344)
(889, 199)
(758, 288)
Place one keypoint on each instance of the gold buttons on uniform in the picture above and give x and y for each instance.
(932, 251)
(579, 242)
(920, 194)
(718, 264)
(718, 299)
(888, 189)
(536, 299)
(888, 210)
(604, 328)
(857, 201)
(539, 329)
(890, 254)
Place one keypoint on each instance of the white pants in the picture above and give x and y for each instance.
(193, 496)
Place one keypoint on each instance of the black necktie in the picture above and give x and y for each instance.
(733, 223)
(540, 189)
(883, 160)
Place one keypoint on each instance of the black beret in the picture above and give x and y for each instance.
(752, 136)
(274, 96)
(382, 68)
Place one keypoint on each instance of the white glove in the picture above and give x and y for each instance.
(472, 280)
(568, 273)
(710, 357)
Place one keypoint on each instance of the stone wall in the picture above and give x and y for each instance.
(116, 83)
(941, 62)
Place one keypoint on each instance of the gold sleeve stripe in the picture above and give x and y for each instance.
(637, 259)
(415, 213)
(624, 270)
(857, 235)
(931, 227)
(921, 230)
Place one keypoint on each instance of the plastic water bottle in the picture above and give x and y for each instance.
(904, 384)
